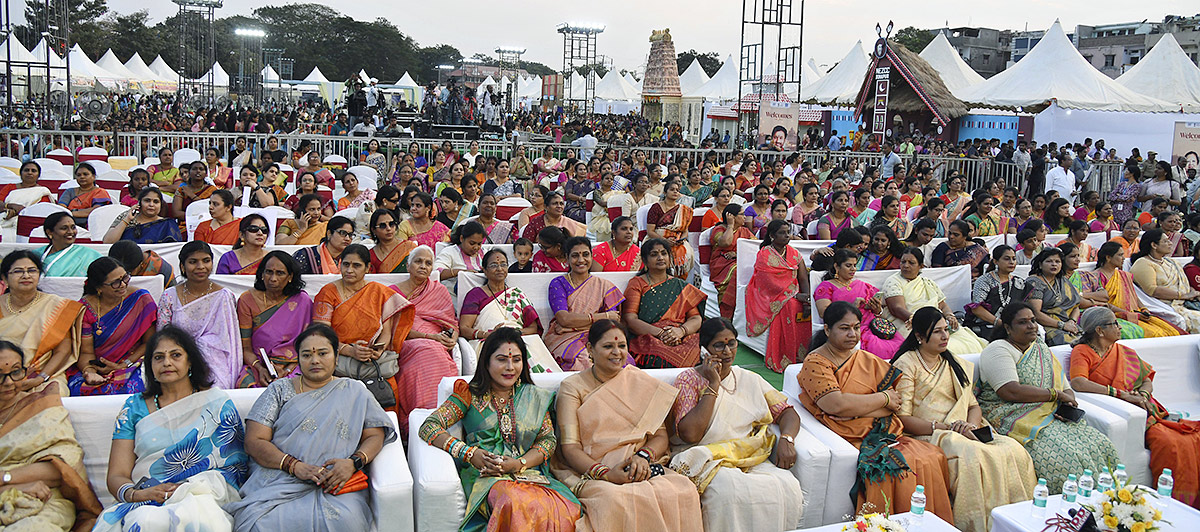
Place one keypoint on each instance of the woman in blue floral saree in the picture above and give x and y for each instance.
(177, 455)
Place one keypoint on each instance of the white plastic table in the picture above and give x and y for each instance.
(931, 523)
(1018, 517)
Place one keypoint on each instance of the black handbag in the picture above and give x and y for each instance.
(378, 386)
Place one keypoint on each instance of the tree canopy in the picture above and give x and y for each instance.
(913, 38)
(709, 61)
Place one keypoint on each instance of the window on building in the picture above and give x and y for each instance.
(1109, 60)
(1134, 60)
(986, 58)
(1021, 43)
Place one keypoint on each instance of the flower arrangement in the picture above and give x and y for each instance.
(873, 522)
(1126, 509)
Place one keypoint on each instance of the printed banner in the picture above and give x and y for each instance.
(777, 125)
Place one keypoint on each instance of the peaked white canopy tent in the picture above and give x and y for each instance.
(692, 78)
(147, 76)
(723, 86)
(839, 86)
(1055, 72)
(110, 63)
(614, 87)
(1166, 73)
(85, 73)
(162, 69)
(955, 73)
(317, 77)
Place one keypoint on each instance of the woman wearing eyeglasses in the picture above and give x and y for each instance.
(117, 323)
(323, 258)
(249, 249)
(45, 326)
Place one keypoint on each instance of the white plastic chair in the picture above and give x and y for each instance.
(196, 212)
(102, 218)
(368, 177)
(31, 218)
(101, 167)
(186, 155)
(334, 159)
(10, 164)
(47, 163)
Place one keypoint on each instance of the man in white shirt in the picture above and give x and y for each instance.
(586, 143)
(1021, 157)
(372, 91)
(1061, 178)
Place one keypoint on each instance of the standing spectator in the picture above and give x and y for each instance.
(1061, 179)
(889, 161)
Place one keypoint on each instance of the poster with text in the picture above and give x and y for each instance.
(1186, 144)
(777, 125)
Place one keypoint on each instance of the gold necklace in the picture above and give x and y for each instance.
(10, 412)
(193, 297)
(722, 383)
(9, 310)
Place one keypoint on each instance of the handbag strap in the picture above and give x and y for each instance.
(378, 372)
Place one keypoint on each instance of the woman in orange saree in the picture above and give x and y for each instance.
(722, 265)
(369, 318)
(425, 356)
(670, 220)
(664, 313)
(578, 299)
(1100, 365)
(853, 393)
(776, 297)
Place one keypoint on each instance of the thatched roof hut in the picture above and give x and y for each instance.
(915, 87)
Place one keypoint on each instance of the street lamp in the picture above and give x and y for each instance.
(249, 79)
(441, 69)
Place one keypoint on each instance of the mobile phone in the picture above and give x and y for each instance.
(983, 434)
(95, 362)
(1069, 412)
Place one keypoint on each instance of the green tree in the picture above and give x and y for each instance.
(83, 16)
(709, 61)
(914, 39)
(430, 57)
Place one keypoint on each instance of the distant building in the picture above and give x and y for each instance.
(472, 75)
(1021, 42)
(984, 49)
(1112, 48)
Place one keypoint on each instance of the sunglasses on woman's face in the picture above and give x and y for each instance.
(120, 282)
(257, 229)
(383, 225)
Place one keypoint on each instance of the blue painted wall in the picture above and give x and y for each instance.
(988, 127)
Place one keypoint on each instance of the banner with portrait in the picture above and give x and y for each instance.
(1186, 143)
(777, 125)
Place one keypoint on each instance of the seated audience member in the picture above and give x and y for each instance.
(993, 291)
(739, 466)
(143, 223)
(464, 254)
(776, 297)
(222, 228)
(853, 392)
(662, 312)
(62, 256)
(621, 254)
(523, 255)
(307, 477)
(878, 337)
(207, 312)
(493, 448)
(84, 198)
(46, 484)
(959, 249)
(249, 249)
(614, 444)
(44, 325)
(180, 416)
(270, 317)
(324, 258)
(140, 263)
(1162, 278)
(1113, 288)
(578, 300)
(908, 291)
(420, 227)
(113, 345)
(552, 257)
(496, 304)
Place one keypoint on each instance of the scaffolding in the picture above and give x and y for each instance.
(28, 83)
(510, 67)
(770, 55)
(249, 84)
(197, 51)
(284, 66)
(579, 50)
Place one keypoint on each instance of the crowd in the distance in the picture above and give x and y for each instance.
(682, 449)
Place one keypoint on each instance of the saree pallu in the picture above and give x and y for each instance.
(39, 431)
(538, 222)
(740, 490)
(364, 196)
(871, 261)
(396, 260)
(313, 235)
(212, 321)
(196, 440)
(881, 347)
(153, 265)
(499, 232)
(569, 346)
(364, 315)
(317, 260)
(1180, 245)
(615, 419)
(70, 262)
(922, 292)
(600, 225)
(231, 265)
(771, 305)
(273, 331)
(666, 304)
(576, 210)
(114, 335)
(437, 232)
(834, 229)
(312, 426)
(423, 362)
(973, 255)
(157, 232)
(984, 475)
(72, 199)
(222, 177)
(801, 219)
(23, 196)
(510, 308)
(161, 176)
(40, 327)
(722, 268)
(1121, 294)
(1172, 444)
(226, 235)
(1059, 299)
(628, 261)
(989, 293)
(889, 465)
(1058, 448)
(1150, 274)
(1104, 226)
(504, 503)
(673, 225)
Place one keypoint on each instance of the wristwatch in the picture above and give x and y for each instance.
(790, 439)
(7, 478)
(524, 464)
(357, 459)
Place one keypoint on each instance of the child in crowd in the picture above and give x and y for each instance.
(523, 249)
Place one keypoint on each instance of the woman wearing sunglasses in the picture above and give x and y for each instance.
(117, 324)
(249, 249)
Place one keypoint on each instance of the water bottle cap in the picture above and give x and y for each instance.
(1166, 471)
(920, 488)
(1120, 467)
(1106, 469)
(1087, 472)
(1071, 477)
(1041, 482)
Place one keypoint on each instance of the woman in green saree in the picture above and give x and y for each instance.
(62, 257)
(508, 439)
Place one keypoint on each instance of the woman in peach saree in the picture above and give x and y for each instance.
(775, 298)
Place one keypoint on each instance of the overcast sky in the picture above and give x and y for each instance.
(831, 26)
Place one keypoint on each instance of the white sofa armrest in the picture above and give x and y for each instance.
(438, 497)
(843, 467)
(392, 486)
(1114, 426)
(812, 470)
(467, 355)
(1134, 453)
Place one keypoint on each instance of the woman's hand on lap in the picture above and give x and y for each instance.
(339, 471)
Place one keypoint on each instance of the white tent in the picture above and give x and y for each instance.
(724, 84)
(138, 68)
(42, 49)
(110, 63)
(163, 70)
(530, 88)
(19, 53)
(482, 88)
(813, 65)
(404, 81)
(636, 83)
(841, 84)
(578, 87)
(808, 74)
(85, 72)
(692, 78)
(220, 78)
(1166, 73)
(317, 76)
(1055, 72)
(955, 72)
(614, 87)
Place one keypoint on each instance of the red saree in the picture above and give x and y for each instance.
(226, 235)
(423, 362)
(771, 304)
(722, 267)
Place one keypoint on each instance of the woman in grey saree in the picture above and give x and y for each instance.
(308, 435)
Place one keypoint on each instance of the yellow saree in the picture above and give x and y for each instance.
(40, 327)
(923, 292)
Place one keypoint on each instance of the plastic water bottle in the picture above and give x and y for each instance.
(917, 504)
(1104, 482)
(1120, 476)
(1070, 493)
(1041, 493)
(1086, 485)
(1165, 485)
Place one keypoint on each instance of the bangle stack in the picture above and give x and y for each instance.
(708, 390)
(288, 464)
(124, 492)
(1053, 394)
(459, 449)
(1112, 392)
(597, 471)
